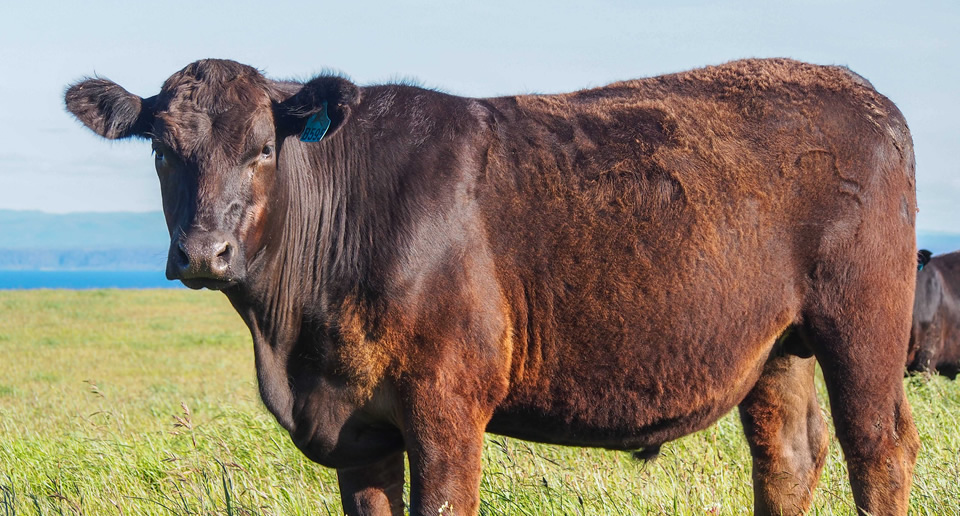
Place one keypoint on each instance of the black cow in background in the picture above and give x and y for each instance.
(935, 336)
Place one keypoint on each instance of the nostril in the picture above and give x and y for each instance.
(225, 251)
(223, 254)
(183, 259)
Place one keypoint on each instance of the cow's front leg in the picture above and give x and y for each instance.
(375, 489)
(444, 438)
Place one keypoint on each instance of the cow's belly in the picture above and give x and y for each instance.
(619, 418)
(625, 386)
(627, 353)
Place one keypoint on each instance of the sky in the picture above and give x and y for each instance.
(49, 162)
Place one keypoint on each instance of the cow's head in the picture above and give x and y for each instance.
(218, 128)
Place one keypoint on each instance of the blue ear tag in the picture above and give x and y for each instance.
(317, 126)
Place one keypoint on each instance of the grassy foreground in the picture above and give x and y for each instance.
(145, 402)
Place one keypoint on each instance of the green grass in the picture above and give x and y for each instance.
(145, 402)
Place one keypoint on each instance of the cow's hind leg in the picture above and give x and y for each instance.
(786, 432)
(376, 489)
(859, 327)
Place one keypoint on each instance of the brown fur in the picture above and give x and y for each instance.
(935, 335)
(615, 267)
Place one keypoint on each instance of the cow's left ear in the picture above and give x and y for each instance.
(325, 102)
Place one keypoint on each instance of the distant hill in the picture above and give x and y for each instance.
(92, 241)
(39, 230)
(139, 241)
(124, 259)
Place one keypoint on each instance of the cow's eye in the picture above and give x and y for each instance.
(267, 151)
(158, 155)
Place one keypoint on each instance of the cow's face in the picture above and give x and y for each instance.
(217, 128)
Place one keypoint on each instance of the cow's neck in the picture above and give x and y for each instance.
(326, 217)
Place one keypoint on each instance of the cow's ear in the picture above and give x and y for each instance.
(108, 109)
(923, 258)
(325, 103)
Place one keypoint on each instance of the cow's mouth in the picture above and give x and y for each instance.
(208, 283)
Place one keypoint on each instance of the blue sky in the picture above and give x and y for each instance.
(49, 162)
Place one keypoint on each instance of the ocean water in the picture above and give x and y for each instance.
(84, 279)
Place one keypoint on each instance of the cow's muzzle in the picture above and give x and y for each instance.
(205, 260)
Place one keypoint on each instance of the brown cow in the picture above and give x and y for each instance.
(935, 337)
(615, 267)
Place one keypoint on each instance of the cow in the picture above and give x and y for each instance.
(615, 267)
(935, 334)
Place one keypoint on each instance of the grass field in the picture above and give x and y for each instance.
(145, 402)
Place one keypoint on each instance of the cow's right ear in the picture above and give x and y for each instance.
(108, 109)
(324, 102)
(923, 258)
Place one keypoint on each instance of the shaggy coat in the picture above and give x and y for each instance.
(935, 336)
(615, 267)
